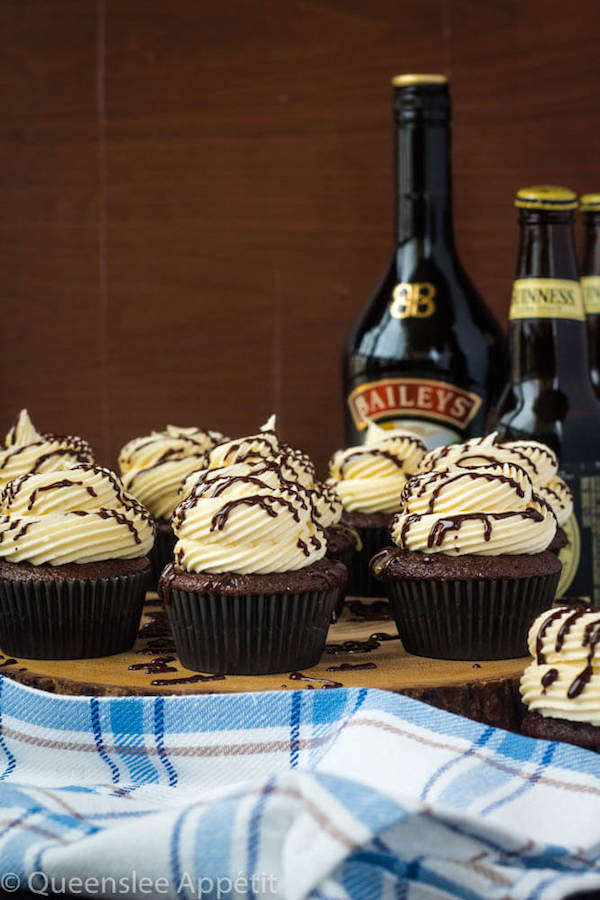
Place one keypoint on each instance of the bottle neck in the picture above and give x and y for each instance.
(590, 261)
(545, 348)
(547, 246)
(423, 186)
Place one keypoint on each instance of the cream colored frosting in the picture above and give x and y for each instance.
(78, 515)
(484, 511)
(370, 477)
(327, 504)
(263, 445)
(538, 460)
(154, 467)
(569, 651)
(28, 450)
(557, 494)
(240, 519)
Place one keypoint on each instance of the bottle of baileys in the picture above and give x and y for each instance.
(425, 353)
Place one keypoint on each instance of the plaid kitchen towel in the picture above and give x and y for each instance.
(320, 794)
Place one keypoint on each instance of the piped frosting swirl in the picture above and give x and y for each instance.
(154, 467)
(28, 450)
(79, 515)
(563, 679)
(246, 519)
(489, 511)
(538, 460)
(370, 477)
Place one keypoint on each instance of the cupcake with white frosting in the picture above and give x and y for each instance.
(73, 564)
(262, 451)
(250, 590)
(369, 480)
(469, 567)
(154, 467)
(560, 688)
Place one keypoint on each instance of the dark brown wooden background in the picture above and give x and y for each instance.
(196, 197)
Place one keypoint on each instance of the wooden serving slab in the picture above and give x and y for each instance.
(363, 650)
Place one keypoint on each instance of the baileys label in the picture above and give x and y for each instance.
(413, 398)
(546, 298)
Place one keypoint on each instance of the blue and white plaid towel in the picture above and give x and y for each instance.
(302, 794)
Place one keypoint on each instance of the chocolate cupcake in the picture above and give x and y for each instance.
(561, 686)
(153, 469)
(28, 450)
(369, 480)
(73, 565)
(250, 591)
(469, 568)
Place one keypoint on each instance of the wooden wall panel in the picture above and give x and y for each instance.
(197, 198)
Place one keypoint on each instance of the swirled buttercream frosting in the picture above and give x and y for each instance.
(29, 450)
(246, 519)
(370, 477)
(486, 511)
(563, 679)
(154, 467)
(538, 460)
(79, 515)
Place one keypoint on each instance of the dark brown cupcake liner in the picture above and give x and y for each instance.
(344, 557)
(360, 581)
(474, 619)
(162, 551)
(250, 634)
(71, 618)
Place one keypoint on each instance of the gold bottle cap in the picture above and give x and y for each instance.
(405, 80)
(546, 196)
(589, 203)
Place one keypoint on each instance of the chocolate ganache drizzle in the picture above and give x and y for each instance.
(79, 515)
(370, 477)
(490, 510)
(153, 467)
(536, 459)
(28, 450)
(563, 679)
(248, 517)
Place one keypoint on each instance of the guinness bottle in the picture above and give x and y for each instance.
(425, 353)
(590, 280)
(550, 396)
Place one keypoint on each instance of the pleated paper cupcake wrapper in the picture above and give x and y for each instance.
(345, 557)
(161, 554)
(71, 619)
(360, 581)
(469, 619)
(252, 634)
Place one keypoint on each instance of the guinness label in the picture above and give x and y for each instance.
(414, 399)
(546, 298)
(590, 285)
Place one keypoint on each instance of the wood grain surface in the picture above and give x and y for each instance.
(197, 197)
(486, 690)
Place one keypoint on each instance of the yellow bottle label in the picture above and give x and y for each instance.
(546, 298)
(590, 285)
